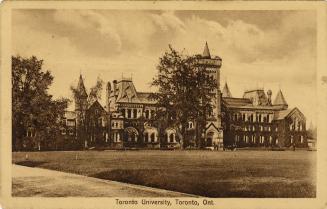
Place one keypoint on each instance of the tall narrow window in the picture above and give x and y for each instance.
(118, 137)
(129, 113)
(135, 113)
(147, 114)
(146, 136)
(152, 137)
(171, 137)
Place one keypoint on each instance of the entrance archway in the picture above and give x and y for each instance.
(131, 134)
(209, 139)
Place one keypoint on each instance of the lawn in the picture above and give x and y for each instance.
(205, 173)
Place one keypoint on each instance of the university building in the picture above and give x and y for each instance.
(127, 118)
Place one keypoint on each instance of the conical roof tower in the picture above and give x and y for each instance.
(206, 52)
(226, 91)
(280, 99)
(81, 88)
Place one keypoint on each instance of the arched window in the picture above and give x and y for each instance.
(146, 137)
(152, 137)
(171, 137)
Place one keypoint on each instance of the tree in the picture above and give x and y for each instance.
(83, 101)
(34, 112)
(185, 92)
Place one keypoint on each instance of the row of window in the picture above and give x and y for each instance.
(260, 128)
(117, 125)
(261, 118)
(171, 138)
(135, 113)
(252, 139)
(150, 137)
(262, 139)
(68, 122)
(298, 127)
(70, 132)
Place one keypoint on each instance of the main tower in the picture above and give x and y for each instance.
(214, 132)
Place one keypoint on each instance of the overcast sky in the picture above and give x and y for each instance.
(266, 49)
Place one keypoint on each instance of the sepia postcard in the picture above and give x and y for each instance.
(163, 104)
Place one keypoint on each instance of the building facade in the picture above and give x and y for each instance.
(127, 119)
(255, 121)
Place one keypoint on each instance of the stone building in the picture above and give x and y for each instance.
(254, 120)
(127, 119)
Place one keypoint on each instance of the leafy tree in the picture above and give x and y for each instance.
(95, 91)
(34, 112)
(185, 92)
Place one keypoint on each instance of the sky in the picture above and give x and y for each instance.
(259, 49)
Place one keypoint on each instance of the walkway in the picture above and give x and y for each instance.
(40, 182)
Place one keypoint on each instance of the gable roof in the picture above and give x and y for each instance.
(280, 115)
(245, 103)
(126, 93)
(96, 105)
(226, 91)
(236, 102)
(280, 100)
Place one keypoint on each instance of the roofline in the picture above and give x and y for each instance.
(238, 98)
(295, 108)
(124, 80)
(258, 89)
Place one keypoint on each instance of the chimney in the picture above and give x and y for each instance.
(108, 91)
(269, 93)
(115, 87)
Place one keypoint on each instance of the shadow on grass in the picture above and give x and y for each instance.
(30, 163)
(207, 186)
(169, 180)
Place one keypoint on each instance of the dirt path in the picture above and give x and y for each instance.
(29, 181)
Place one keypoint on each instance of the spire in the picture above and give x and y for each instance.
(226, 92)
(81, 87)
(280, 100)
(206, 52)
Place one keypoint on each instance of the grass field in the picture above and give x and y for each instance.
(205, 173)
